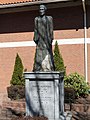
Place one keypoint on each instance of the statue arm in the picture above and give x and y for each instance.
(51, 29)
(36, 38)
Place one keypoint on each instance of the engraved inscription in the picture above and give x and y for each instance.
(42, 97)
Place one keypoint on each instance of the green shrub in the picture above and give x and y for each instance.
(58, 60)
(78, 83)
(34, 62)
(16, 92)
(69, 95)
(17, 77)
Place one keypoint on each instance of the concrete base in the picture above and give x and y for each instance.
(67, 116)
(45, 94)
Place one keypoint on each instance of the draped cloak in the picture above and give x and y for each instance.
(43, 37)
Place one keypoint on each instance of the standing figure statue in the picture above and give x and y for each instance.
(43, 37)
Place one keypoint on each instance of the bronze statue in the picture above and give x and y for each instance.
(43, 37)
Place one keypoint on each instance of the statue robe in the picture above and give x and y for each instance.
(43, 37)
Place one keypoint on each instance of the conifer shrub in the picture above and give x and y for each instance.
(58, 60)
(17, 77)
(17, 88)
(78, 83)
(34, 62)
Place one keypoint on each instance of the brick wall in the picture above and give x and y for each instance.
(17, 27)
(73, 56)
(7, 62)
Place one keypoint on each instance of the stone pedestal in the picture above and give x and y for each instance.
(45, 94)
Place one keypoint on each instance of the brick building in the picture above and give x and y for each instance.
(71, 30)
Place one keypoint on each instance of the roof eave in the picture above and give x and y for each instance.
(22, 4)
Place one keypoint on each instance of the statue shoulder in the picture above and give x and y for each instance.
(36, 18)
(49, 17)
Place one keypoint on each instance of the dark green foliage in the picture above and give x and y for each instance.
(69, 95)
(17, 77)
(34, 62)
(58, 60)
(16, 92)
(78, 83)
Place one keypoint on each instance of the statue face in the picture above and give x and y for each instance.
(42, 10)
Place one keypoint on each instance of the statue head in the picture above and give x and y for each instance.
(42, 10)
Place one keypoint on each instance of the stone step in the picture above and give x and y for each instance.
(5, 114)
(5, 117)
(2, 118)
(8, 114)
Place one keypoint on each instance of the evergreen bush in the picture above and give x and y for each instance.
(78, 83)
(16, 92)
(34, 62)
(58, 60)
(17, 77)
